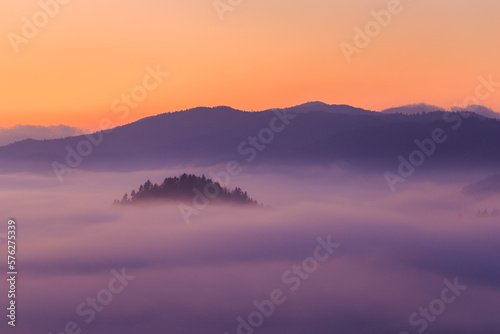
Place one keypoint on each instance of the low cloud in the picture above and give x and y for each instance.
(396, 251)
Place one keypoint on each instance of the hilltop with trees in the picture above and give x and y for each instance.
(184, 188)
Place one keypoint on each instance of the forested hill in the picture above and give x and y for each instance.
(185, 188)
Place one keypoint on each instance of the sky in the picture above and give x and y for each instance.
(74, 68)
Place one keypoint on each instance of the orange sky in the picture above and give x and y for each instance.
(263, 54)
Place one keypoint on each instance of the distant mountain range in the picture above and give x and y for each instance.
(413, 109)
(481, 110)
(312, 133)
(21, 132)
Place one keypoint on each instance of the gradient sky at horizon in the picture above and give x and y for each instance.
(263, 55)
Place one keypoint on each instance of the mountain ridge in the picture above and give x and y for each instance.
(317, 133)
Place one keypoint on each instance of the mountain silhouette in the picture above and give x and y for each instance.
(313, 133)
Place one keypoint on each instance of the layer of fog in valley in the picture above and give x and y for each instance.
(397, 250)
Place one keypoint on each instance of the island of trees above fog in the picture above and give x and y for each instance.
(185, 188)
